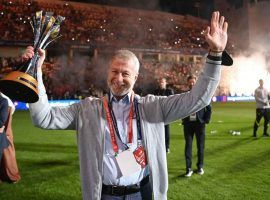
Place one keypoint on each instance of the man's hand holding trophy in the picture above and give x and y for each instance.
(21, 85)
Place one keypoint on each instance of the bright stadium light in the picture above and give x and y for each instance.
(243, 77)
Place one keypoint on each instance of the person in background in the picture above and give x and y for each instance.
(162, 90)
(3, 118)
(121, 135)
(9, 171)
(261, 95)
(195, 124)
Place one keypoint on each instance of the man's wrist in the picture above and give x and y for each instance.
(215, 53)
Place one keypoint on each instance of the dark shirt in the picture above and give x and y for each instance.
(164, 92)
(203, 116)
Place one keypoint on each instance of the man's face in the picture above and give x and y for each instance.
(191, 82)
(121, 77)
(162, 83)
(261, 82)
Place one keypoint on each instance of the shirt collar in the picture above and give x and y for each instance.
(125, 99)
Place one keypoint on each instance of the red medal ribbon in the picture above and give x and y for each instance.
(109, 119)
(111, 124)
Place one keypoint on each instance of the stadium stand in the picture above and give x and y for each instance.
(165, 43)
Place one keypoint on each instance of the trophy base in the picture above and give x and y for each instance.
(20, 86)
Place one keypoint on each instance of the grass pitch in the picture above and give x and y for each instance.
(236, 167)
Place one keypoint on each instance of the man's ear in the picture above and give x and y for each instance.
(136, 76)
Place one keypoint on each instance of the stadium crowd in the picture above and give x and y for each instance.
(104, 27)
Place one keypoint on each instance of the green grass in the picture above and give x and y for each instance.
(236, 167)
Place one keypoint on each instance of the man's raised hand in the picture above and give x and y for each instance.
(216, 34)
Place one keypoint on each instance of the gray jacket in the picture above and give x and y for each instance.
(88, 119)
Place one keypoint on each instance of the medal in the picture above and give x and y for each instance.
(140, 156)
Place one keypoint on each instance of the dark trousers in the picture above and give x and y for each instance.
(198, 129)
(260, 112)
(167, 136)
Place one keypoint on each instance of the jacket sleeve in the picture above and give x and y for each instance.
(47, 117)
(178, 106)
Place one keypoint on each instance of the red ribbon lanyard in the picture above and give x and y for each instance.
(109, 119)
(130, 127)
(113, 124)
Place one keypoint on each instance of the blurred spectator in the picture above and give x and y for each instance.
(163, 90)
(195, 124)
(262, 108)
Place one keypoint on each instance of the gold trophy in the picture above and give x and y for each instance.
(21, 85)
